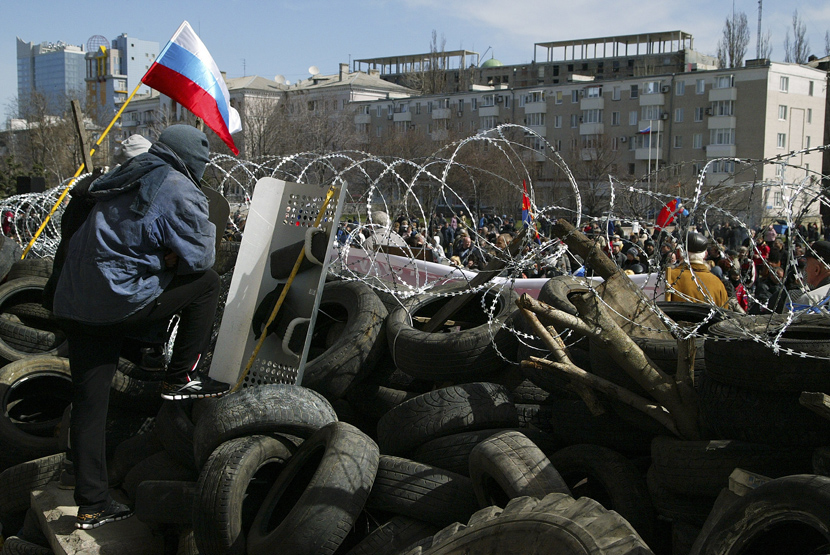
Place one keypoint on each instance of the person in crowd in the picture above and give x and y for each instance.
(741, 299)
(142, 255)
(632, 261)
(816, 273)
(692, 281)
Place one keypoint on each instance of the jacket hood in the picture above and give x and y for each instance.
(146, 172)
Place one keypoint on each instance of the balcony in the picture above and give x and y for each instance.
(441, 113)
(484, 111)
(653, 99)
(536, 107)
(721, 151)
(362, 118)
(721, 122)
(591, 128)
(439, 135)
(597, 103)
(405, 116)
(730, 93)
(540, 130)
(648, 153)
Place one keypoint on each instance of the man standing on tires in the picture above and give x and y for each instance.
(692, 281)
(143, 254)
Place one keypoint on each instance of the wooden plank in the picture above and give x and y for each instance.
(491, 270)
(817, 402)
(78, 116)
(632, 311)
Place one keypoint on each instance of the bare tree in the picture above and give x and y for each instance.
(593, 159)
(431, 75)
(733, 44)
(797, 49)
(765, 45)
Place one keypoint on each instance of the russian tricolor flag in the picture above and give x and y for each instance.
(186, 72)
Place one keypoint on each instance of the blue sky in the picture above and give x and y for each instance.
(258, 37)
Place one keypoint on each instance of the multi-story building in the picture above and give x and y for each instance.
(113, 71)
(55, 70)
(659, 127)
(556, 62)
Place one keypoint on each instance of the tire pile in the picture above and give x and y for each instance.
(402, 441)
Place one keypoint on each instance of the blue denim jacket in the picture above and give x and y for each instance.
(115, 262)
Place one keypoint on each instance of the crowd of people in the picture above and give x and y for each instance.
(752, 264)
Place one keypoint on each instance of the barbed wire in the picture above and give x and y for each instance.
(503, 162)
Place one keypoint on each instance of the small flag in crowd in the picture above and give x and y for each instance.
(527, 215)
(186, 72)
(668, 212)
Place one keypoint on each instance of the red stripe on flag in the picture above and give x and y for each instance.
(191, 96)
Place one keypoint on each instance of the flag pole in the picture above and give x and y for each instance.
(78, 172)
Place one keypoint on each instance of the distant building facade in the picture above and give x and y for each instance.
(113, 72)
(55, 70)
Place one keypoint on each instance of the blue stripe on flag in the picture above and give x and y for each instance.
(183, 61)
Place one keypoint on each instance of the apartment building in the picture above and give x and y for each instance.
(677, 122)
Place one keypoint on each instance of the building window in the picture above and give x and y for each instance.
(810, 93)
(807, 141)
(594, 92)
(697, 140)
(614, 144)
(722, 108)
(429, 107)
(507, 100)
(378, 131)
(678, 141)
(378, 110)
(700, 86)
(782, 140)
(782, 112)
(723, 82)
(592, 116)
(778, 198)
(535, 119)
(678, 115)
(724, 136)
(488, 122)
(417, 108)
(615, 118)
(635, 91)
(615, 93)
(651, 87)
(699, 114)
(809, 115)
(632, 117)
(574, 96)
(651, 112)
(473, 104)
(680, 88)
(488, 100)
(557, 122)
(558, 97)
(574, 121)
(784, 84)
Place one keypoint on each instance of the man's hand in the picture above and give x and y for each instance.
(171, 259)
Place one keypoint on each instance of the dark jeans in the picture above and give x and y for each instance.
(93, 357)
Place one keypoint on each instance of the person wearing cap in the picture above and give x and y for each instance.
(691, 281)
(144, 253)
(632, 261)
(816, 273)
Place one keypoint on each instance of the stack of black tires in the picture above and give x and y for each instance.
(401, 440)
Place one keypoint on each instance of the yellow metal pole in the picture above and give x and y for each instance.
(78, 172)
(277, 306)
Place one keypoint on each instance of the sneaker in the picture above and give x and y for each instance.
(192, 386)
(87, 520)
